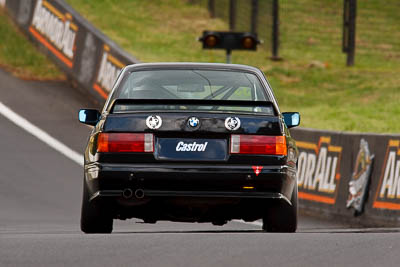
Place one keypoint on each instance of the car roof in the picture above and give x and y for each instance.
(185, 65)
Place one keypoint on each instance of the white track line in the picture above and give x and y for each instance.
(40, 134)
(54, 143)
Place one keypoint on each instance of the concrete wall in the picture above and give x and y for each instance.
(352, 175)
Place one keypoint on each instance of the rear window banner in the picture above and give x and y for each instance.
(318, 170)
(55, 30)
(360, 179)
(387, 195)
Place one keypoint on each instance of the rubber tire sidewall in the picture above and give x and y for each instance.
(282, 217)
(95, 217)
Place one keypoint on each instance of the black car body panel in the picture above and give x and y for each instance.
(191, 172)
(177, 123)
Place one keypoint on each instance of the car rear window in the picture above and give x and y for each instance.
(193, 85)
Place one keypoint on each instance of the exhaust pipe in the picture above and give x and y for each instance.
(127, 193)
(139, 193)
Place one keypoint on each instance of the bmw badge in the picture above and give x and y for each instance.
(193, 122)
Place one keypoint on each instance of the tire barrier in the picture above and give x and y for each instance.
(90, 59)
(351, 176)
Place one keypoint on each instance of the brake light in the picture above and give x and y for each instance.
(258, 144)
(125, 142)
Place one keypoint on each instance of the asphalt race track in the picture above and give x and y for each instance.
(40, 195)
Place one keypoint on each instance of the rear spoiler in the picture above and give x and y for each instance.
(206, 102)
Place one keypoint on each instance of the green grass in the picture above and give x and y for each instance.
(361, 98)
(20, 57)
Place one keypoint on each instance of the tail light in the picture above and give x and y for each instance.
(258, 144)
(125, 142)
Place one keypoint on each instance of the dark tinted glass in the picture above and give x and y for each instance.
(192, 84)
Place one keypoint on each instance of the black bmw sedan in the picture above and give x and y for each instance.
(190, 142)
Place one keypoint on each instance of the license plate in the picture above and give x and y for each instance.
(189, 149)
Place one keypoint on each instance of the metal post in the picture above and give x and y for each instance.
(211, 8)
(228, 56)
(254, 15)
(351, 49)
(232, 14)
(275, 30)
(345, 37)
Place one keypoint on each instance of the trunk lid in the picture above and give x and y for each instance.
(177, 139)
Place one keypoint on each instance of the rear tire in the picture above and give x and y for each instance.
(95, 218)
(282, 218)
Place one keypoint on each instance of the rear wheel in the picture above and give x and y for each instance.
(283, 217)
(95, 217)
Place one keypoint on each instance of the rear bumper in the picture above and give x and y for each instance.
(195, 194)
(188, 180)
